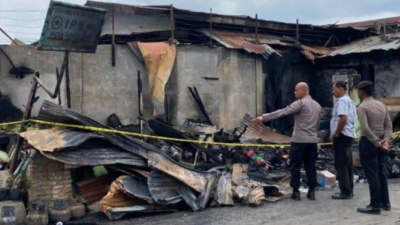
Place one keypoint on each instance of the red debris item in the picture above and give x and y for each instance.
(259, 161)
(95, 189)
(249, 153)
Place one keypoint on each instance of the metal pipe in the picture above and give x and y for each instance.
(211, 27)
(59, 79)
(139, 83)
(297, 31)
(384, 28)
(12, 64)
(31, 100)
(172, 22)
(256, 27)
(15, 155)
(113, 40)
(9, 37)
(167, 108)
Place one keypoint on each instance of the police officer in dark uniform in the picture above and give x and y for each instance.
(376, 129)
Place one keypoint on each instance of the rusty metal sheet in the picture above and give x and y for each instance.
(390, 100)
(393, 105)
(224, 195)
(164, 188)
(56, 113)
(159, 58)
(197, 181)
(372, 23)
(93, 155)
(136, 188)
(256, 130)
(54, 139)
(274, 40)
(116, 198)
(116, 213)
(95, 189)
(133, 19)
(313, 52)
(127, 195)
(189, 197)
(317, 50)
(80, 148)
(70, 27)
(384, 43)
(205, 196)
(243, 41)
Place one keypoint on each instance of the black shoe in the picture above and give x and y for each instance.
(369, 210)
(311, 194)
(296, 195)
(386, 207)
(341, 196)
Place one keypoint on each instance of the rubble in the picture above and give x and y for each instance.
(224, 195)
(194, 166)
(93, 190)
(153, 180)
(162, 176)
(117, 203)
(253, 131)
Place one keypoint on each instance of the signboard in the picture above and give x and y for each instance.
(71, 28)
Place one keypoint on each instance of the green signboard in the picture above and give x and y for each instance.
(71, 28)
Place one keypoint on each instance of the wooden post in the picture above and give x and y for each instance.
(256, 27)
(297, 31)
(172, 22)
(211, 28)
(12, 40)
(113, 40)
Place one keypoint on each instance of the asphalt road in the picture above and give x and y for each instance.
(285, 212)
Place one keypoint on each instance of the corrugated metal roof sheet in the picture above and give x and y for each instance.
(254, 130)
(384, 42)
(369, 23)
(134, 19)
(243, 41)
(313, 52)
(95, 189)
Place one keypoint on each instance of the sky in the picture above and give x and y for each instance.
(23, 19)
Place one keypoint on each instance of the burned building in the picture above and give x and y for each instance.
(161, 62)
(231, 60)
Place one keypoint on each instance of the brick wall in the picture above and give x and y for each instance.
(48, 179)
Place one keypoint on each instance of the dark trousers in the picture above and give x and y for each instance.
(307, 153)
(372, 161)
(344, 163)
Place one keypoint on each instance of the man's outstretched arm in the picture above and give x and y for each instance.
(291, 109)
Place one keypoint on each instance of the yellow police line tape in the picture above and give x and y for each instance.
(104, 130)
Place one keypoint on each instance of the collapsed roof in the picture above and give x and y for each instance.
(162, 22)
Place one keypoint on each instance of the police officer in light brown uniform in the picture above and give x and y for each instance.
(376, 129)
(307, 115)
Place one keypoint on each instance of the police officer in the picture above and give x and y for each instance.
(376, 128)
(307, 115)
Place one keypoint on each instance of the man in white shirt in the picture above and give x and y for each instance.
(342, 134)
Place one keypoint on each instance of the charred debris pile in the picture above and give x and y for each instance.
(146, 174)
